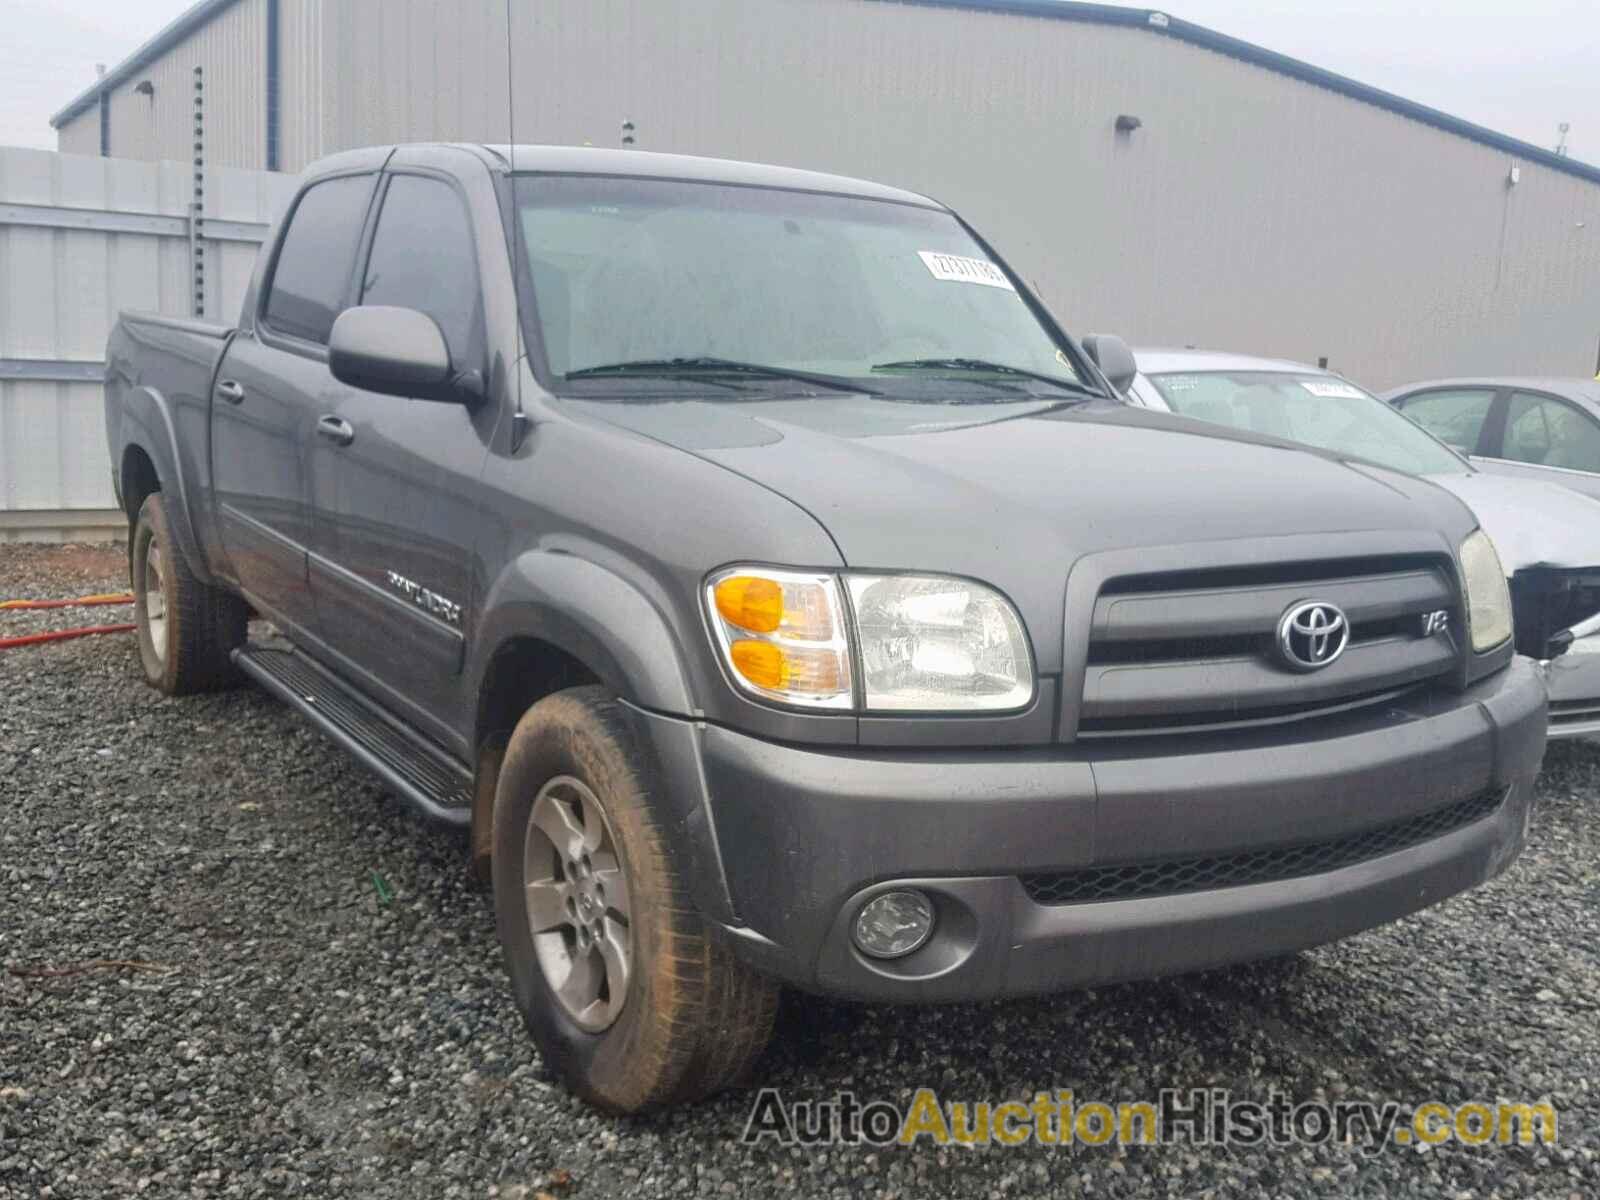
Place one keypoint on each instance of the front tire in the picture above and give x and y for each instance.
(628, 994)
(186, 629)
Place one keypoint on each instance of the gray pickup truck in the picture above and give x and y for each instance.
(776, 592)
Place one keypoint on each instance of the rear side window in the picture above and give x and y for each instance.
(423, 257)
(319, 251)
(1455, 417)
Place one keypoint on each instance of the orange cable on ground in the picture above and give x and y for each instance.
(82, 602)
(62, 635)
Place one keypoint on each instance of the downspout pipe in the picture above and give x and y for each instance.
(274, 89)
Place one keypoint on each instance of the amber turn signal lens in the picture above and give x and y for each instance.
(781, 634)
(751, 602)
(762, 663)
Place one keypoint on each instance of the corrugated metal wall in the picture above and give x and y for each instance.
(302, 26)
(232, 49)
(445, 71)
(60, 291)
(1251, 211)
(81, 135)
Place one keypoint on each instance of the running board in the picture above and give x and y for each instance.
(422, 776)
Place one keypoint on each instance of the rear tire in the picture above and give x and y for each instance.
(687, 1017)
(186, 629)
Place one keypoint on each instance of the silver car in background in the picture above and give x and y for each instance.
(1548, 536)
(1528, 428)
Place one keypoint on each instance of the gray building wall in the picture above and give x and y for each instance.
(231, 49)
(304, 39)
(1251, 210)
(80, 135)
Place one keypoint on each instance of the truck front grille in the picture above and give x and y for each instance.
(1182, 652)
(1175, 877)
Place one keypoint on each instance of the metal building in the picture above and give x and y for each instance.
(1154, 178)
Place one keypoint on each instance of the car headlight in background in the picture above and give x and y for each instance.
(925, 643)
(1488, 598)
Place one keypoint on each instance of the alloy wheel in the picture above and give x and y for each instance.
(577, 903)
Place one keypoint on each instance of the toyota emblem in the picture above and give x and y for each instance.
(1312, 634)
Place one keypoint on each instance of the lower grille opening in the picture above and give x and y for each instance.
(1175, 877)
(1236, 718)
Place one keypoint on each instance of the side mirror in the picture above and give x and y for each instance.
(396, 351)
(1112, 356)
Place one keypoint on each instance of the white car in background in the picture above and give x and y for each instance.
(1532, 428)
(1548, 536)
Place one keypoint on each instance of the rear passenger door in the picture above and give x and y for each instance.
(273, 380)
(393, 496)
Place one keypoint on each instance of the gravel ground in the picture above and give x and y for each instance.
(203, 991)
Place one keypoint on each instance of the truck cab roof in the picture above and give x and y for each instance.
(638, 164)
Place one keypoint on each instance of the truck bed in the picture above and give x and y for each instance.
(159, 371)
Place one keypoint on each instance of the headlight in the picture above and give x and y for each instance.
(1488, 598)
(934, 644)
(925, 643)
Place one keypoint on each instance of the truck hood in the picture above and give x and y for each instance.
(1532, 524)
(1012, 495)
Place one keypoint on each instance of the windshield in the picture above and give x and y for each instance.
(1319, 410)
(661, 277)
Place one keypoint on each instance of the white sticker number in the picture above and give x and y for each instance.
(1332, 389)
(955, 269)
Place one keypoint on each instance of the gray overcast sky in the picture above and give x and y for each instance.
(1519, 68)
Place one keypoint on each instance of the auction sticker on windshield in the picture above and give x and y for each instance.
(956, 269)
(1332, 389)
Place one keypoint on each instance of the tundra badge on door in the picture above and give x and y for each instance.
(429, 602)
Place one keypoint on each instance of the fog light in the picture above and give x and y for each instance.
(894, 924)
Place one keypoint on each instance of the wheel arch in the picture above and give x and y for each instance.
(582, 613)
(554, 621)
(150, 450)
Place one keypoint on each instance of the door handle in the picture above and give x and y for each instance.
(337, 430)
(230, 391)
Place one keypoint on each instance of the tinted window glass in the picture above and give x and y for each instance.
(313, 271)
(423, 258)
(1544, 431)
(1455, 418)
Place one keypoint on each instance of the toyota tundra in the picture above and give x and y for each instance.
(748, 560)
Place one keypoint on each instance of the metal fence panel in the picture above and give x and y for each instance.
(81, 239)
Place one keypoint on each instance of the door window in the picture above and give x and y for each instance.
(312, 275)
(1454, 417)
(1547, 432)
(423, 257)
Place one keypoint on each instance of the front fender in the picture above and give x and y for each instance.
(609, 625)
(592, 614)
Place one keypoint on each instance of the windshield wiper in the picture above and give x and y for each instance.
(706, 365)
(983, 365)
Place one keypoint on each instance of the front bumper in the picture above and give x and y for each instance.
(803, 837)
